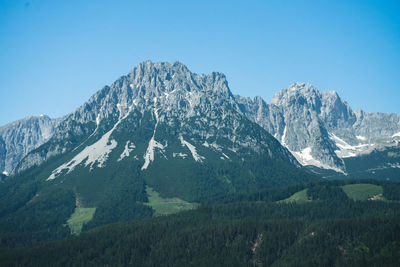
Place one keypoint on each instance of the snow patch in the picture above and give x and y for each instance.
(181, 155)
(213, 145)
(149, 156)
(341, 143)
(90, 155)
(284, 137)
(233, 149)
(128, 149)
(192, 149)
(361, 138)
(394, 165)
(98, 120)
(346, 150)
(98, 152)
(305, 158)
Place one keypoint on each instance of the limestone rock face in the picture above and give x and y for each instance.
(18, 138)
(318, 128)
(192, 104)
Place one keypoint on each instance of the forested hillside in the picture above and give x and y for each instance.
(253, 229)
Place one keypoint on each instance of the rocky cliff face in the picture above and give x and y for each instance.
(194, 105)
(320, 128)
(162, 126)
(18, 138)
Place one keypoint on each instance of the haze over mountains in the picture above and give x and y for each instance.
(319, 128)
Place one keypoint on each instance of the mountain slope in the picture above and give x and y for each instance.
(18, 138)
(319, 128)
(242, 230)
(162, 100)
(160, 127)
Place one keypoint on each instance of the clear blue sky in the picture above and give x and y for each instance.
(55, 54)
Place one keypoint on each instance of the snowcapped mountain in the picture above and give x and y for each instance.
(161, 126)
(319, 128)
(164, 130)
(20, 137)
(170, 95)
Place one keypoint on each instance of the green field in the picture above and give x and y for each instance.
(300, 196)
(165, 206)
(363, 191)
(79, 218)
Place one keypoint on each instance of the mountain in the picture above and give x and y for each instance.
(18, 138)
(179, 115)
(157, 137)
(319, 128)
(162, 139)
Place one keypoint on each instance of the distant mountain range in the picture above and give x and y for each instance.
(318, 128)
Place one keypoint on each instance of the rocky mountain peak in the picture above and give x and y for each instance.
(336, 112)
(299, 94)
(313, 125)
(172, 86)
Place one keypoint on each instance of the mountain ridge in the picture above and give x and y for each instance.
(159, 115)
(166, 131)
(319, 128)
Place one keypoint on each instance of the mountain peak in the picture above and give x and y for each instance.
(298, 85)
(294, 92)
(300, 117)
(28, 119)
(180, 66)
(150, 66)
(302, 87)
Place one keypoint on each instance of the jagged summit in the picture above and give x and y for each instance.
(318, 127)
(164, 127)
(172, 85)
(25, 119)
(173, 97)
(297, 91)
